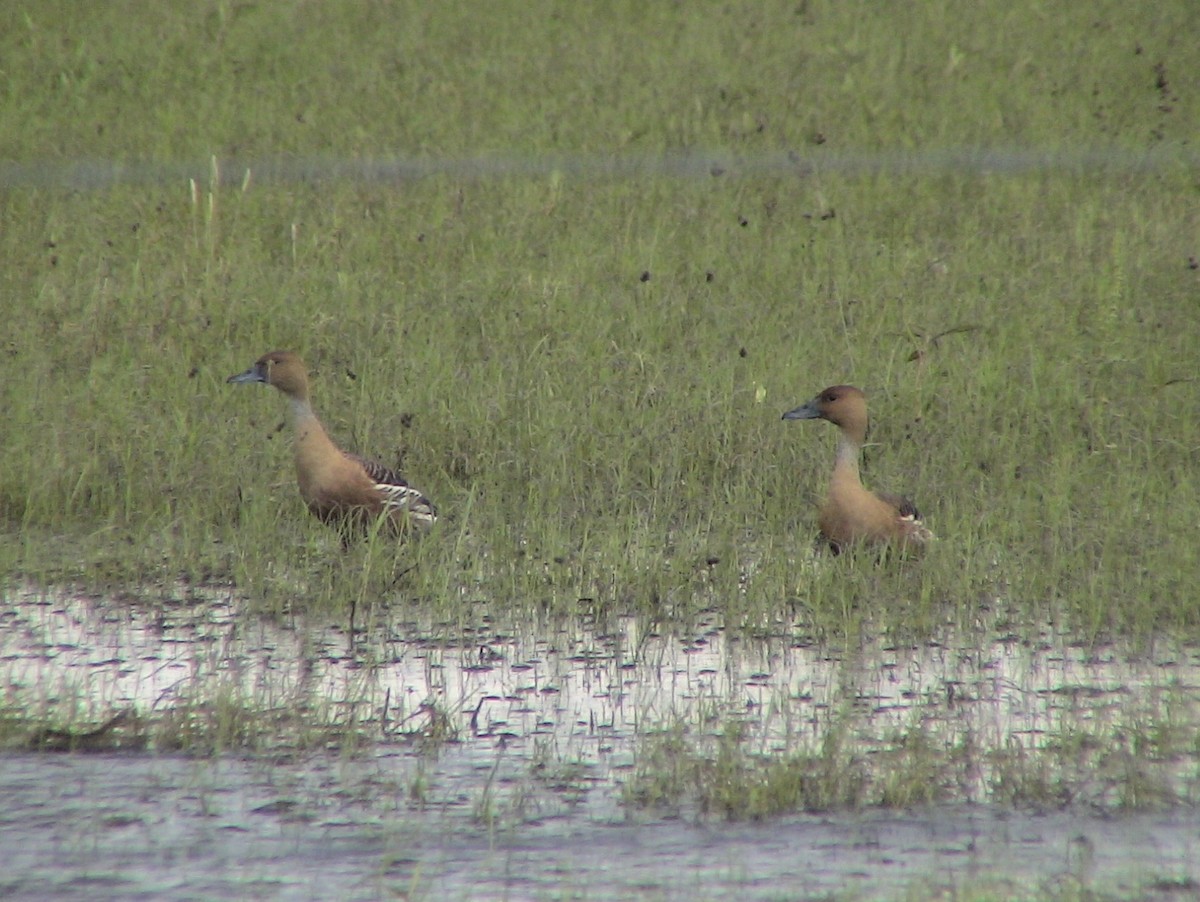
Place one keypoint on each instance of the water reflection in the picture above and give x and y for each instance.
(548, 724)
(583, 694)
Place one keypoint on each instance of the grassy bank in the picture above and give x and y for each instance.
(585, 366)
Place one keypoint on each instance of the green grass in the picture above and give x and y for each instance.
(590, 433)
(723, 767)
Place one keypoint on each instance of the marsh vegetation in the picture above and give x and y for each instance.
(565, 271)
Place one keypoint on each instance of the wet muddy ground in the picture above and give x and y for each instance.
(541, 729)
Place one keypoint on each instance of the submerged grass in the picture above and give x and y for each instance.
(220, 719)
(1130, 765)
(585, 366)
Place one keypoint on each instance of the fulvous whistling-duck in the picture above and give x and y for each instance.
(342, 489)
(850, 514)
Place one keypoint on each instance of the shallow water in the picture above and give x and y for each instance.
(124, 827)
(527, 802)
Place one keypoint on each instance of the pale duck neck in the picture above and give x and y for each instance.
(310, 434)
(301, 410)
(846, 462)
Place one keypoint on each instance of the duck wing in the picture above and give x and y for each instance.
(396, 490)
(906, 507)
